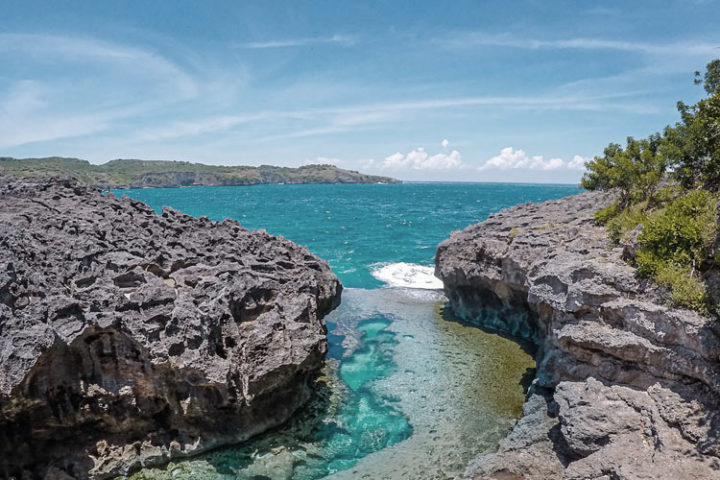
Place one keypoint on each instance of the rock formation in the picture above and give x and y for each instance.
(129, 338)
(626, 388)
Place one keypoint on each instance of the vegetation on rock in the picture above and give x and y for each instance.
(678, 240)
(146, 173)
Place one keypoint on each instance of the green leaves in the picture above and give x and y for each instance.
(636, 169)
(692, 146)
(679, 236)
(676, 242)
(683, 234)
(711, 80)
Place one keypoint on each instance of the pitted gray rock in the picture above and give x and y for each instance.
(129, 338)
(633, 383)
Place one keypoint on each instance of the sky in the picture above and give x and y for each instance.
(515, 91)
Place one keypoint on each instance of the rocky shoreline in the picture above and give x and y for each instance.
(626, 387)
(129, 338)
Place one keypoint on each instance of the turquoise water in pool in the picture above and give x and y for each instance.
(408, 391)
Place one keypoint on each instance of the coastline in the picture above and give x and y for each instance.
(125, 173)
(625, 386)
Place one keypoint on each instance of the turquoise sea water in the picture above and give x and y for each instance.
(408, 391)
(355, 227)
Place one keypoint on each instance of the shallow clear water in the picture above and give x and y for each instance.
(408, 392)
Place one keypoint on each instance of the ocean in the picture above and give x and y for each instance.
(409, 391)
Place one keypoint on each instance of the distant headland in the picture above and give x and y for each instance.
(123, 173)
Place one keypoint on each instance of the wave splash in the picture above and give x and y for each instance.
(407, 275)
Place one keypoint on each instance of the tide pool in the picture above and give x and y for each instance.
(408, 391)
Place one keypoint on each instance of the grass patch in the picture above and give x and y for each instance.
(546, 228)
(626, 220)
(686, 290)
(676, 244)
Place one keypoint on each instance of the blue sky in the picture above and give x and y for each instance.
(453, 90)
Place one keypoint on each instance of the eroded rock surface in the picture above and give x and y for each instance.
(626, 387)
(129, 338)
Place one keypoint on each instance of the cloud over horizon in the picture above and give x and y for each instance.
(419, 159)
(510, 159)
(250, 83)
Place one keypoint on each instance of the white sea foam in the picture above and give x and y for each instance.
(408, 275)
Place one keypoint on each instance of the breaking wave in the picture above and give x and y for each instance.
(408, 275)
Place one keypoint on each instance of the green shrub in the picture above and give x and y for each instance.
(626, 220)
(687, 290)
(634, 171)
(675, 243)
(604, 215)
(683, 234)
(665, 195)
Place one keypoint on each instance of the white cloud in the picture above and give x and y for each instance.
(195, 127)
(419, 159)
(366, 164)
(343, 40)
(445, 143)
(474, 39)
(43, 110)
(25, 119)
(325, 161)
(126, 59)
(512, 159)
(577, 163)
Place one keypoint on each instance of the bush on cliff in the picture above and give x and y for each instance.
(679, 222)
(686, 290)
(677, 243)
(635, 171)
(693, 145)
(683, 234)
(621, 221)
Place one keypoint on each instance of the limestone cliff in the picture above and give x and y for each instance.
(129, 338)
(626, 387)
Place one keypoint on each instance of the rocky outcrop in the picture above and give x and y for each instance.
(626, 388)
(129, 338)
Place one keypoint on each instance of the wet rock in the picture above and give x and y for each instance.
(129, 338)
(633, 383)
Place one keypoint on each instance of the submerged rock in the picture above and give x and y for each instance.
(129, 338)
(626, 386)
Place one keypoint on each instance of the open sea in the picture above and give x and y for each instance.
(409, 391)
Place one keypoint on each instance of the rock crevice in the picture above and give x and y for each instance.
(626, 386)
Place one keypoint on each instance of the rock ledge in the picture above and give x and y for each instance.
(626, 387)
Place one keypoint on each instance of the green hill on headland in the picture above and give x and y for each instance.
(157, 173)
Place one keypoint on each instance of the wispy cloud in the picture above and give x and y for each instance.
(194, 127)
(342, 40)
(475, 39)
(55, 48)
(23, 118)
(50, 108)
(340, 119)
